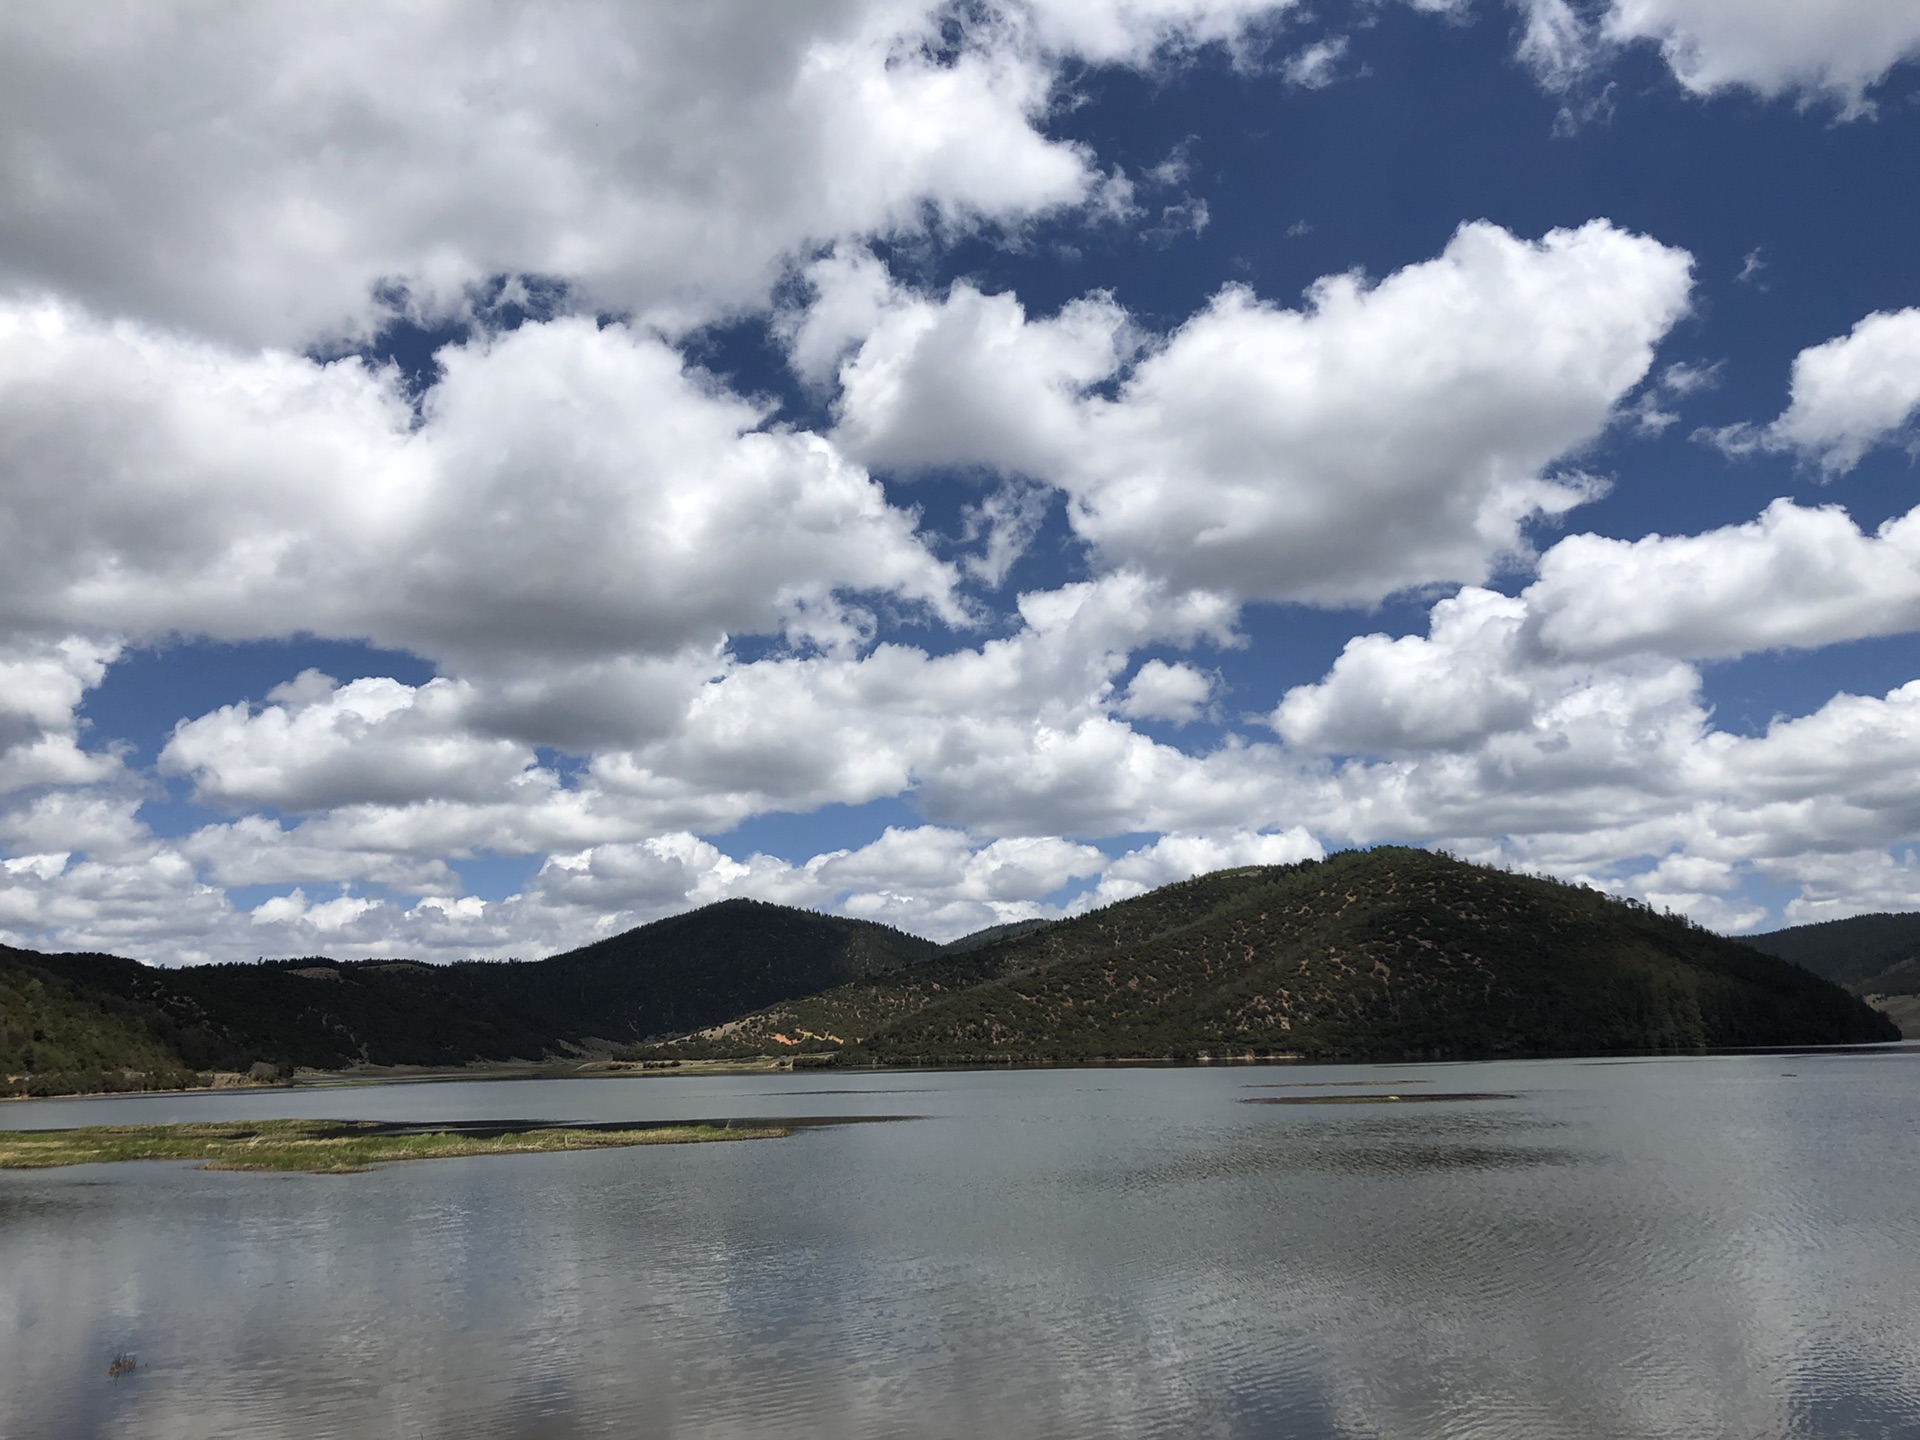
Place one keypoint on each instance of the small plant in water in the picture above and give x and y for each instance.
(123, 1364)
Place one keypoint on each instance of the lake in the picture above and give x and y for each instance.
(1695, 1247)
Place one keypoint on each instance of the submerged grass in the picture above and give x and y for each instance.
(331, 1147)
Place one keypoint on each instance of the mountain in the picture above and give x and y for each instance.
(1871, 955)
(673, 975)
(1388, 952)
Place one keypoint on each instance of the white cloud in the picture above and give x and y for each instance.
(256, 850)
(1133, 31)
(930, 880)
(1849, 395)
(1796, 577)
(1457, 685)
(1387, 436)
(1838, 48)
(372, 741)
(41, 685)
(1556, 42)
(397, 776)
(968, 380)
(1180, 857)
(254, 172)
(1160, 691)
(1316, 66)
(572, 494)
(325, 916)
(1833, 886)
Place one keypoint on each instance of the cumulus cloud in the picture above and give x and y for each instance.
(257, 172)
(1386, 436)
(395, 776)
(1550, 728)
(572, 491)
(929, 879)
(1837, 50)
(1460, 683)
(1160, 691)
(1180, 856)
(41, 686)
(374, 741)
(579, 528)
(1832, 886)
(1849, 395)
(1796, 577)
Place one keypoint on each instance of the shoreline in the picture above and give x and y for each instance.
(829, 1062)
(341, 1147)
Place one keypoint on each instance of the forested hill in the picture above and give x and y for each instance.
(66, 1019)
(1876, 955)
(1389, 952)
(1869, 954)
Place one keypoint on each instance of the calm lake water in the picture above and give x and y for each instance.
(1718, 1247)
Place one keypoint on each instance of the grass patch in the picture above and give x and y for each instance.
(334, 1147)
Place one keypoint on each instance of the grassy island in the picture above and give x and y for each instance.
(333, 1147)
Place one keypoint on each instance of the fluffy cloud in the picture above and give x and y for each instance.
(1837, 49)
(572, 491)
(1470, 735)
(1159, 691)
(41, 685)
(1177, 856)
(1796, 577)
(369, 742)
(1576, 757)
(1386, 436)
(1458, 684)
(256, 172)
(1849, 395)
(929, 879)
(1832, 886)
(411, 772)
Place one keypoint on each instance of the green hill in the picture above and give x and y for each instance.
(676, 974)
(58, 1036)
(1871, 955)
(1389, 952)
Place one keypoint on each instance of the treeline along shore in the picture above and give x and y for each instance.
(1386, 953)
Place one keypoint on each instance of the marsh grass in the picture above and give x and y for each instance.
(332, 1147)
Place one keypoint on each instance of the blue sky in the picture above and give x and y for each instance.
(481, 482)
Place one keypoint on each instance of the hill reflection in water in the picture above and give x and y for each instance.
(1676, 1248)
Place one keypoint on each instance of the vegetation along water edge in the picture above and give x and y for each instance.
(338, 1147)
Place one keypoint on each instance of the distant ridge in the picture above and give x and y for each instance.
(1389, 953)
(99, 1016)
(993, 934)
(1871, 955)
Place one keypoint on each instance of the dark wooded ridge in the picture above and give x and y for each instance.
(1388, 953)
